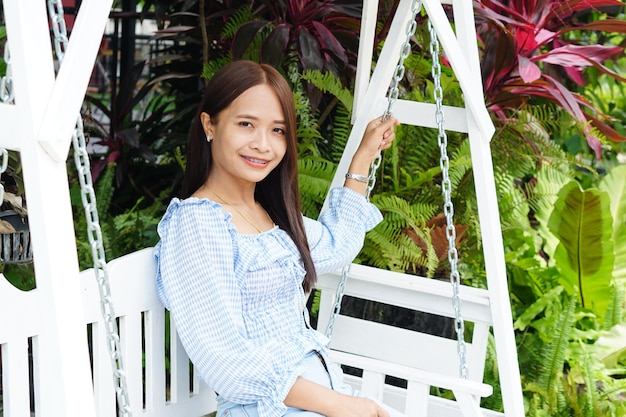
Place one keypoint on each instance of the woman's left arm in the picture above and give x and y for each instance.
(338, 235)
(378, 136)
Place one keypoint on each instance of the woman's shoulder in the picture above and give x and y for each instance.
(189, 205)
(190, 209)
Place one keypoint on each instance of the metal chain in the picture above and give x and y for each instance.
(448, 207)
(394, 91)
(6, 83)
(88, 196)
(4, 163)
(341, 288)
(392, 97)
(57, 17)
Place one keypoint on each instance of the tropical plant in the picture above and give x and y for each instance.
(569, 320)
(321, 34)
(411, 238)
(129, 231)
(527, 57)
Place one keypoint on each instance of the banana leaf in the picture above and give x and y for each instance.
(583, 223)
(615, 185)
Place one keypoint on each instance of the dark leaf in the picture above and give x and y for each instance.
(102, 106)
(330, 42)
(126, 97)
(170, 76)
(244, 37)
(130, 137)
(174, 29)
(309, 51)
(145, 153)
(274, 47)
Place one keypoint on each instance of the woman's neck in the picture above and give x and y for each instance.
(234, 194)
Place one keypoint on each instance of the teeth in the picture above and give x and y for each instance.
(256, 161)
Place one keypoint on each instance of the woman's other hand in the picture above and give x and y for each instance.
(378, 136)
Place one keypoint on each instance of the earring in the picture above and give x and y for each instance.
(208, 138)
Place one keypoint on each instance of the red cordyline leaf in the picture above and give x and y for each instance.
(294, 7)
(606, 130)
(491, 15)
(525, 40)
(572, 6)
(575, 74)
(501, 11)
(578, 55)
(528, 70)
(551, 89)
(608, 25)
(585, 56)
(544, 36)
(330, 43)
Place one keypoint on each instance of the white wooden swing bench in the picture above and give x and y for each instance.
(379, 350)
(44, 335)
(161, 383)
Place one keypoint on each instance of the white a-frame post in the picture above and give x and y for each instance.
(39, 125)
(370, 101)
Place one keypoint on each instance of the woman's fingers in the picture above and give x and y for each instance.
(387, 128)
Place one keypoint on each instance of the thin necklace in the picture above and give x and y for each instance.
(239, 211)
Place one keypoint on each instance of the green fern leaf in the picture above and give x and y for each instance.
(327, 82)
(241, 16)
(314, 177)
(553, 356)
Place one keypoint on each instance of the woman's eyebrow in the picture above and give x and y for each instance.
(249, 116)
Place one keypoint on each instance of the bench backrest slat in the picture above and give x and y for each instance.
(430, 352)
(155, 389)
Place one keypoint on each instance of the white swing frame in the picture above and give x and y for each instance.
(461, 50)
(53, 316)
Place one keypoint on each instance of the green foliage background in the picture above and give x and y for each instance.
(563, 211)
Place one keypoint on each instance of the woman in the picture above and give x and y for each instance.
(237, 257)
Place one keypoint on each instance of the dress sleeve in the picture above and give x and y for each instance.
(196, 282)
(337, 236)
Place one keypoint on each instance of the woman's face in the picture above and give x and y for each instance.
(248, 137)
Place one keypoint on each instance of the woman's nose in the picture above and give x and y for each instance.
(262, 141)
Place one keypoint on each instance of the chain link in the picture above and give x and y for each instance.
(448, 207)
(6, 82)
(341, 287)
(4, 163)
(88, 196)
(392, 97)
(59, 29)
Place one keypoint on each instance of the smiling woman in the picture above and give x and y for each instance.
(236, 256)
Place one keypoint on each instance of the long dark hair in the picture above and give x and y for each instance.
(278, 193)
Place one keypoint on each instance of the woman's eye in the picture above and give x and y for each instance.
(245, 124)
(280, 130)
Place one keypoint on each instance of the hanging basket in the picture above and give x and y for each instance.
(15, 248)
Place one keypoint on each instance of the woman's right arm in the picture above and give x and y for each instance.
(308, 395)
(196, 281)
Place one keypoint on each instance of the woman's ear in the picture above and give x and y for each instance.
(207, 125)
